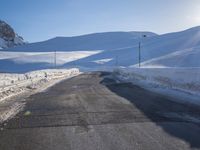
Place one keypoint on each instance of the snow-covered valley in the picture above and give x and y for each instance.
(180, 49)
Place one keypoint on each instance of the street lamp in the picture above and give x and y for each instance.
(139, 52)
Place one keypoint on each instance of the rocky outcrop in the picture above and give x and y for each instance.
(8, 37)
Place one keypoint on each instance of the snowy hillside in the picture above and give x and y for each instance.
(182, 58)
(101, 50)
(8, 37)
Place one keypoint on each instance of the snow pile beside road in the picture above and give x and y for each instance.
(183, 79)
(11, 84)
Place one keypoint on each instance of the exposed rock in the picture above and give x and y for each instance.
(8, 37)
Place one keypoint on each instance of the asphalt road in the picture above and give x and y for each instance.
(93, 112)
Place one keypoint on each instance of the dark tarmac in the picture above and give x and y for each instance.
(93, 112)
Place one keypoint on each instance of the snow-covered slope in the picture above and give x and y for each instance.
(8, 37)
(179, 49)
(184, 44)
(28, 61)
(182, 58)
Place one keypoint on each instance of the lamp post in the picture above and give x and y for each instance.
(139, 52)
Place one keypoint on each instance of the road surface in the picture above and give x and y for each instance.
(93, 112)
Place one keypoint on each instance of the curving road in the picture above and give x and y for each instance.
(93, 112)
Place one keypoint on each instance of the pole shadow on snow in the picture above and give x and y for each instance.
(171, 116)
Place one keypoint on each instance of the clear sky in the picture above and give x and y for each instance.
(38, 20)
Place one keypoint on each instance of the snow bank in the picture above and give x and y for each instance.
(15, 83)
(183, 79)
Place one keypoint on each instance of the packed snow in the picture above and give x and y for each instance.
(184, 80)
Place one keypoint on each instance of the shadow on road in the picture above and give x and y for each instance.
(176, 119)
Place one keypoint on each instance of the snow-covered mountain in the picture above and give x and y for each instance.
(8, 37)
(178, 49)
(96, 41)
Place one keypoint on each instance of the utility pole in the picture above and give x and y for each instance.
(55, 55)
(139, 54)
(139, 51)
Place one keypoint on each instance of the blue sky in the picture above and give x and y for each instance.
(38, 20)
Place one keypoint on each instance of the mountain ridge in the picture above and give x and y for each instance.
(94, 41)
